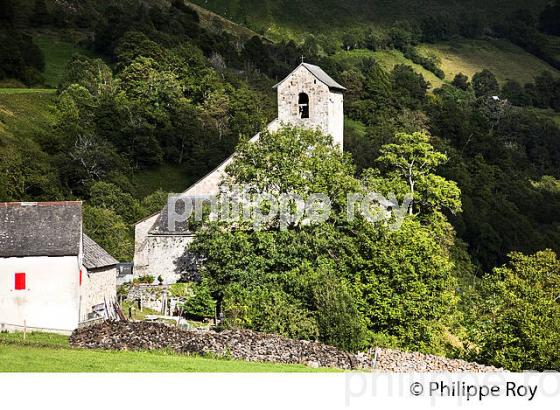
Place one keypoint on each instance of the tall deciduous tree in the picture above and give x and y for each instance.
(412, 159)
(350, 283)
(485, 84)
(519, 314)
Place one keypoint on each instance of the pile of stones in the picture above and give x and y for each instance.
(390, 360)
(258, 347)
(235, 344)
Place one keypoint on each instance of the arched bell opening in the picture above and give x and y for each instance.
(303, 102)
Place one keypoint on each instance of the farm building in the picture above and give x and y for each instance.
(308, 97)
(52, 275)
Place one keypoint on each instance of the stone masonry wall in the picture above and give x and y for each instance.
(254, 346)
(101, 287)
(301, 80)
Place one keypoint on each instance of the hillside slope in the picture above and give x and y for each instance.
(314, 14)
(505, 60)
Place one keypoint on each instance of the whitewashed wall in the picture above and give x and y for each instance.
(51, 299)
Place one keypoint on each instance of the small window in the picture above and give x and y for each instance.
(20, 281)
(303, 103)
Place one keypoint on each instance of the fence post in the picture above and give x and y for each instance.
(24, 329)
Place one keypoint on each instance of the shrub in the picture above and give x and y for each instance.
(200, 305)
(519, 314)
(269, 310)
(149, 279)
(429, 63)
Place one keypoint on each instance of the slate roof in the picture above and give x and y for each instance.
(320, 75)
(95, 256)
(40, 229)
(162, 226)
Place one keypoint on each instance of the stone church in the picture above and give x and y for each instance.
(308, 97)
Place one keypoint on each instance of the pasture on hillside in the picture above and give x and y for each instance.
(504, 59)
(25, 111)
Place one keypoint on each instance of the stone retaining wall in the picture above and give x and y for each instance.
(253, 346)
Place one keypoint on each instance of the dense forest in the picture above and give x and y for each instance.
(472, 273)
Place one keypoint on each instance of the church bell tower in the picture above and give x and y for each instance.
(310, 98)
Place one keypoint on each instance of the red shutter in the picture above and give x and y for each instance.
(80, 277)
(20, 281)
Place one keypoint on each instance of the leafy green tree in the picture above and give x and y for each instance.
(110, 196)
(461, 81)
(407, 287)
(353, 80)
(81, 154)
(404, 33)
(377, 84)
(93, 74)
(317, 280)
(413, 160)
(257, 53)
(217, 112)
(26, 172)
(20, 58)
(338, 315)
(267, 270)
(145, 83)
(438, 28)
(154, 202)
(200, 305)
(268, 309)
(519, 314)
(134, 44)
(408, 86)
(352, 39)
(485, 84)
(515, 93)
(108, 229)
(12, 182)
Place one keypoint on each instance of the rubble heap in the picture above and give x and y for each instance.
(258, 347)
(390, 360)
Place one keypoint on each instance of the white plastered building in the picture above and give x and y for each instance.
(53, 277)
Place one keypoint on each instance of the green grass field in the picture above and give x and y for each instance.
(24, 111)
(549, 113)
(42, 352)
(212, 20)
(503, 58)
(58, 49)
(387, 59)
(326, 15)
(168, 177)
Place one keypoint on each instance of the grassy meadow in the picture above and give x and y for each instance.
(24, 111)
(387, 59)
(42, 352)
(58, 48)
(321, 15)
(168, 177)
(504, 59)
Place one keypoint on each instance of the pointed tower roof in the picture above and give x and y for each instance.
(319, 74)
